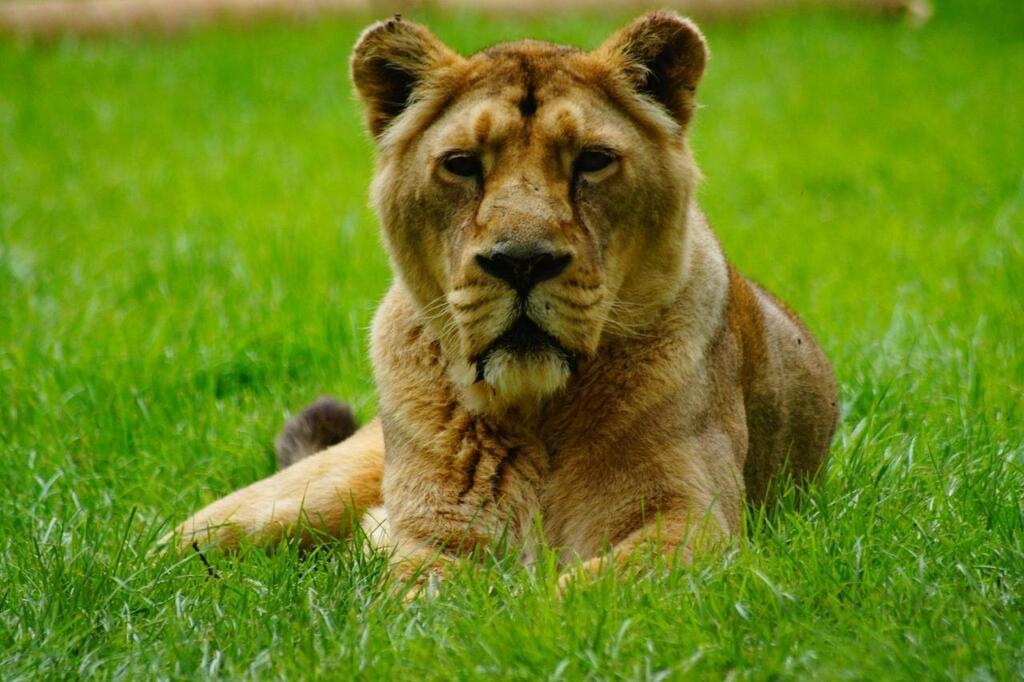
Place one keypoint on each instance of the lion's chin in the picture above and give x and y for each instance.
(526, 377)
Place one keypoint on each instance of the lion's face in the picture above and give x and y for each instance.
(533, 197)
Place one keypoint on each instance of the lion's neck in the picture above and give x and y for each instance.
(698, 308)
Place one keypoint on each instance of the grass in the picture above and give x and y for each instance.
(186, 255)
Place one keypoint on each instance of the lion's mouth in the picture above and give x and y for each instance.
(525, 338)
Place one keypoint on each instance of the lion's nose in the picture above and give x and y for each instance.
(523, 265)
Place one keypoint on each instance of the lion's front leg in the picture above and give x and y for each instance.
(482, 495)
(700, 509)
(315, 497)
(417, 568)
(680, 532)
(430, 539)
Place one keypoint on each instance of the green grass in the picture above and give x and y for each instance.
(186, 255)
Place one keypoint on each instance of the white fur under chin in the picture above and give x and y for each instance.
(516, 377)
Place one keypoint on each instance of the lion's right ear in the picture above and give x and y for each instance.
(662, 56)
(390, 60)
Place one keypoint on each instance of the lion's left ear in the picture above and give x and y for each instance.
(662, 56)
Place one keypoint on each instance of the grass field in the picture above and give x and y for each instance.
(186, 255)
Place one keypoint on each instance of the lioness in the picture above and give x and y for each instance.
(564, 340)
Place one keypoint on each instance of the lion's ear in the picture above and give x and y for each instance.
(390, 60)
(662, 56)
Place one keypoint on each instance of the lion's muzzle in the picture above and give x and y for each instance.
(525, 357)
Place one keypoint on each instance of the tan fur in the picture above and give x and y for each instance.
(677, 388)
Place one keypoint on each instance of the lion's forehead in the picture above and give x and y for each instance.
(530, 65)
(495, 120)
(542, 101)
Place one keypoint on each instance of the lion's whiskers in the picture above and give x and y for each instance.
(617, 317)
(436, 309)
(614, 324)
(619, 311)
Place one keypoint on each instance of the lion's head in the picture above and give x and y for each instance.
(533, 197)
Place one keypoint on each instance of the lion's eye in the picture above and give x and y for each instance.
(593, 160)
(463, 165)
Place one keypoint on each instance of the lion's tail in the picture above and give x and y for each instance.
(322, 424)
